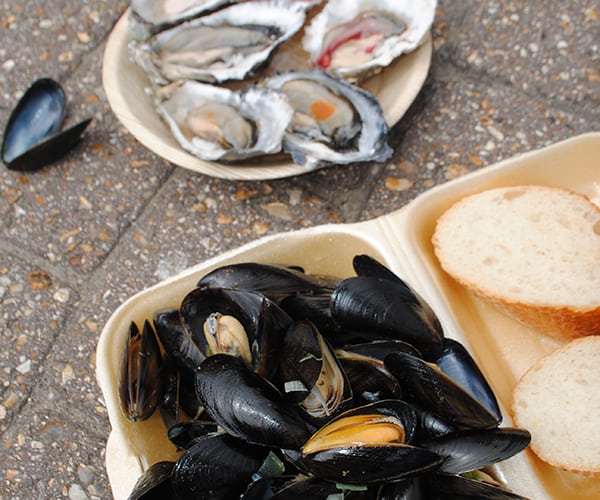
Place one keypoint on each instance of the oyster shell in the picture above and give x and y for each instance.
(230, 44)
(334, 122)
(151, 16)
(355, 39)
(215, 123)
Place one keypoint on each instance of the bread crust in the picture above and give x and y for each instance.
(548, 409)
(562, 321)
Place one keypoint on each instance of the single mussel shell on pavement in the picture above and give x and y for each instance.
(246, 405)
(154, 483)
(140, 381)
(431, 389)
(310, 374)
(452, 487)
(456, 362)
(31, 138)
(238, 322)
(469, 450)
(217, 466)
(368, 444)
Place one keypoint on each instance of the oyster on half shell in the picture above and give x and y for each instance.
(230, 44)
(215, 123)
(355, 39)
(334, 122)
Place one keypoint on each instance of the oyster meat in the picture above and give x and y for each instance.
(334, 122)
(230, 44)
(215, 123)
(355, 39)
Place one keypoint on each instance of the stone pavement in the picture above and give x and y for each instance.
(81, 236)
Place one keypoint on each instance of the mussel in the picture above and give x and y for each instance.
(369, 444)
(140, 381)
(310, 373)
(246, 405)
(238, 322)
(32, 138)
(380, 301)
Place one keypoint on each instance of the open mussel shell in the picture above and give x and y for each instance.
(429, 388)
(217, 466)
(140, 380)
(369, 444)
(246, 405)
(311, 375)
(31, 138)
(238, 322)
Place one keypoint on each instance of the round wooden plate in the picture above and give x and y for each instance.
(125, 83)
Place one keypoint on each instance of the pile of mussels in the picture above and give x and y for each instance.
(277, 384)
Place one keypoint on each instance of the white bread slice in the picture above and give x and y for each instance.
(532, 251)
(558, 402)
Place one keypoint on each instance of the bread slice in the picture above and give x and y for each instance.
(558, 402)
(532, 251)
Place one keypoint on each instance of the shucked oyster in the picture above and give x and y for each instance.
(357, 38)
(227, 45)
(334, 122)
(216, 123)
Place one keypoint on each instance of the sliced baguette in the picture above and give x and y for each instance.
(532, 251)
(558, 402)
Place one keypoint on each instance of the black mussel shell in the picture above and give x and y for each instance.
(265, 488)
(214, 467)
(453, 487)
(469, 450)
(264, 323)
(310, 374)
(361, 464)
(409, 489)
(315, 308)
(368, 444)
(275, 282)
(432, 390)
(154, 483)
(385, 306)
(182, 434)
(430, 425)
(32, 139)
(247, 405)
(178, 344)
(313, 488)
(456, 362)
(140, 380)
(369, 382)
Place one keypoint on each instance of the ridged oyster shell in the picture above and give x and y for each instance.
(334, 122)
(355, 39)
(228, 45)
(215, 123)
(151, 16)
